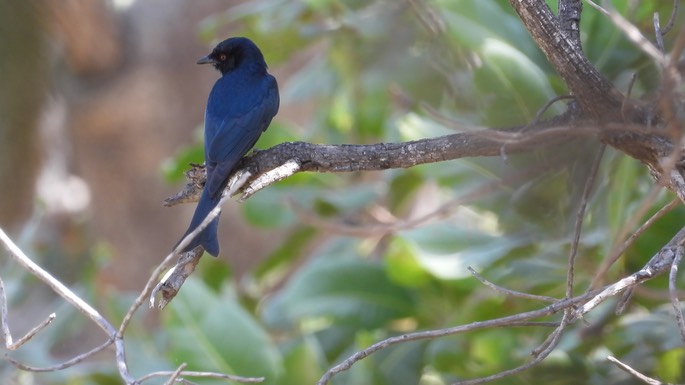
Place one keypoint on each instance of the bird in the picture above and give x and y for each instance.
(241, 105)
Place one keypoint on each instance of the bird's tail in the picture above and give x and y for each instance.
(207, 238)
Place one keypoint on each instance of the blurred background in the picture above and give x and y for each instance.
(101, 108)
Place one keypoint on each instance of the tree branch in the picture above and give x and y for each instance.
(598, 98)
(569, 19)
(638, 375)
(115, 336)
(660, 263)
(512, 320)
(642, 143)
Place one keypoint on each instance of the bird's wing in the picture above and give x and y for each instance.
(236, 135)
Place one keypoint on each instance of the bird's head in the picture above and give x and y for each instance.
(231, 53)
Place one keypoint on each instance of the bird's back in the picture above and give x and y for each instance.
(240, 107)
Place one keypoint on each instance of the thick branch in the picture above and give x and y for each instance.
(569, 19)
(596, 95)
(384, 156)
(641, 143)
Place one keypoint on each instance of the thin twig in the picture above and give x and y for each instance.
(431, 334)
(658, 35)
(64, 365)
(657, 294)
(673, 291)
(4, 322)
(671, 20)
(57, 286)
(175, 374)
(547, 105)
(580, 215)
(538, 356)
(629, 92)
(540, 353)
(229, 377)
(658, 264)
(648, 223)
(21, 341)
(76, 301)
(4, 316)
(443, 211)
(510, 292)
(615, 251)
(116, 336)
(631, 31)
(638, 375)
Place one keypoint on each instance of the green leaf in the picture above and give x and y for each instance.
(351, 291)
(303, 362)
(279, 262)
(268, 209)
(625, 172)
(670, 365)
(517, 87)
(174, 168)
(446, 250)
(403, 266)
(213, 333)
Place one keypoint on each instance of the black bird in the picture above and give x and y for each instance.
(240, 107)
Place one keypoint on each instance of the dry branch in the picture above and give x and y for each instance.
(114, 336)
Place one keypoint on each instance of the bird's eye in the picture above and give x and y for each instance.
(222, 57)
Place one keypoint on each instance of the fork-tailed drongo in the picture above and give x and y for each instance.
(240, 107)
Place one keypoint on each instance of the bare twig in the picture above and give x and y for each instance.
(616, 251)
(4, 316)
(64, 365)
(647, 224)
(546, 107)
(673, 291)
(229, 377)
(629, 92)
(57, 286)
(657, 294)
(658, 264)
(175, 374)
(115, 336)
(538, 354)
(4, 322)
(32, 332)
(658, 35)
(513, 320)
(671, 20)
(512, 293)
(638, 375)
(631, 31)
(580, 215)
(429, 18)
(443, 211)
(380, 228)
(70, 297)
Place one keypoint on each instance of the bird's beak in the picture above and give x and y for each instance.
(206, 60)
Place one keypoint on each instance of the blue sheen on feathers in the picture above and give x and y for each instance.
(240, 107)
